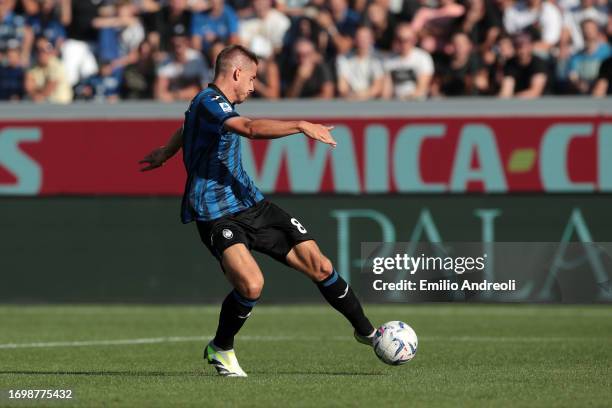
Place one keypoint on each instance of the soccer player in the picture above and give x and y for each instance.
(231, 213)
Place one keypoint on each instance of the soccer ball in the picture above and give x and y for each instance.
(395, 343)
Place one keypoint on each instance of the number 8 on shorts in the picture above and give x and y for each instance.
(299, 226)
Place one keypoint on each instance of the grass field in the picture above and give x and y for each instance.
(469, 355)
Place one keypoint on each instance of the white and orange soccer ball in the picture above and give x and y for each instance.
(395, 343)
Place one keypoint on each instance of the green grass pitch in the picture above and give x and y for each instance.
(304, 356)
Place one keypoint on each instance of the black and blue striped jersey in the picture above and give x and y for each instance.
(217, 184)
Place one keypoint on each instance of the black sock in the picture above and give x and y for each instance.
(341, 297)
(234, 312)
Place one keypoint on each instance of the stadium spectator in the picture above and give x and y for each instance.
(211, 56)
(456, 75)
(504, 51)
(525, 75)
(47, 80)
(243, 8)
(340, 23)
(361, 73)
(12, 27)
(603, 83)
(28, 7)
(540, 18)
(48, 21)
(311, 78)
(560, 80)
(136, 36)
(78, 49)
(267, 83)
(102, 87)
(483, 24)
(147, 10)
(120, 33)
(138, 77)
(383, 25)
(434, 25)
(181, 77)
(11, 73)
(586, 10)
(172, 19)
(303, 27)
(220, 22)
(45, 23)
(590, 10)
(267, 24)
(410, 70)
(403, 10)
(80, 19)
(291, 7)
(584, 66)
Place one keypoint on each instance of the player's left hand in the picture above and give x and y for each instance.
(155, 159)
(319, 132)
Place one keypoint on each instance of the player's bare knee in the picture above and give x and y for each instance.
(326, 266)
(323, 269)
(252, 289)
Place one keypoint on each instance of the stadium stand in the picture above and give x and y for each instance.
(109, 50)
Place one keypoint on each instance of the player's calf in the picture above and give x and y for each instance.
(307, 258)
(341, 297)
(235, 311)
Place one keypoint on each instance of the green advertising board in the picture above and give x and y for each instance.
(68, 249)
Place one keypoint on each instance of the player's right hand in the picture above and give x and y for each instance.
(319, 132)
(155, 159)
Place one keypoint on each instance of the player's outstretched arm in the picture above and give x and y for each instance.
(273, 129)
(159, 156)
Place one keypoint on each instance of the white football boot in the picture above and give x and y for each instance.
(224, 361)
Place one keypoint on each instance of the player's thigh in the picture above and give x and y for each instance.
(242, 270)
(277, 232)
(307, 258)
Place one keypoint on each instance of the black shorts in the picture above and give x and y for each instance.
(265, 228)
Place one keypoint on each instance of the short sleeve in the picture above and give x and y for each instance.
(426, 66)
(342, 67)
(216, 110)
(572, 65)
(166, 70)
(539, 66)
(605, 70)
(326, 74)
(387, 65)
(510, 69)
(56, 71)
(377, 68)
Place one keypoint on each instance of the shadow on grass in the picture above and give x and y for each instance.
(323, 373)
(113, 373)
(178, 373)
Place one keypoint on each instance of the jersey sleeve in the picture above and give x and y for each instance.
(215, 110)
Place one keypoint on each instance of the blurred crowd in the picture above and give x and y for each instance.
(109, 50)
